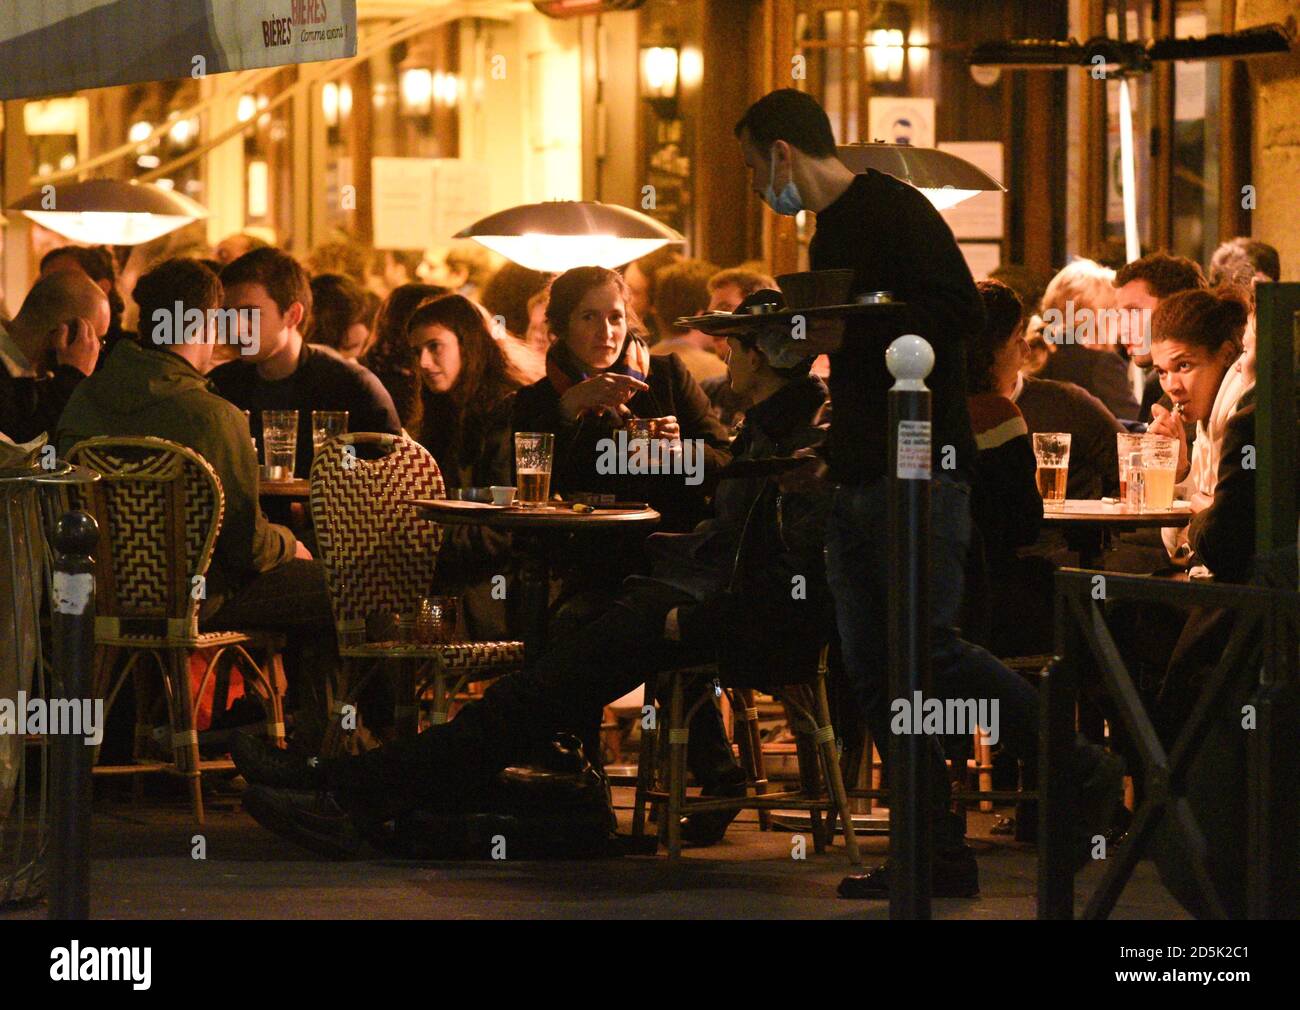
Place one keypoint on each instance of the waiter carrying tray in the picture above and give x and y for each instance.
(893, 239)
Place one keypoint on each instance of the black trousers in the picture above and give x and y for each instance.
(291, 599)
(519, 714)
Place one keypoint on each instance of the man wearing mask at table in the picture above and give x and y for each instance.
(892, 238)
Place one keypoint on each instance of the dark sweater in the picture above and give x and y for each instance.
(1104, 374)
(1005, 503)
(891, 237)
(323, 380)
(1094, 452)
(672, 391)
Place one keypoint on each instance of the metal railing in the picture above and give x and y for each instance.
(1263, 638)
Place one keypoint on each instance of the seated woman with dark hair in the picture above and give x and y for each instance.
(600, 374)
(390, 356)
(466, 388)
(1198, 347)
(1006, 507)
(466, 384)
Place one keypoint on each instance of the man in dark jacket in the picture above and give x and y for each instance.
(280, 370)
(260, 576)
(699, 603)
(47, 351)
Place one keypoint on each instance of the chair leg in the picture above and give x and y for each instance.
(984, 767)
(645, 767)
(834, 778)
(678, 734)
(185, 738)
(751, 750)
(406, 712)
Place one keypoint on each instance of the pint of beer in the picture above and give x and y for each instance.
(1052, 452)
(533, 453)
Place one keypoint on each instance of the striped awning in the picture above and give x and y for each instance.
(52, 46)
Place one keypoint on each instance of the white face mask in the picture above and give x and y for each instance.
(788, 202)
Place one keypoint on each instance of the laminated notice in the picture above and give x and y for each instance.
(913, 450)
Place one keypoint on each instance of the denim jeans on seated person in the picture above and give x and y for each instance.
(857, 567)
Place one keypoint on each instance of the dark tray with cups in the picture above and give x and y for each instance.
(814, 294)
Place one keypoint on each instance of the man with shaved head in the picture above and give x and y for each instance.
(49, 347)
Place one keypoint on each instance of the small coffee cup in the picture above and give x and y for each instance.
(502, 495)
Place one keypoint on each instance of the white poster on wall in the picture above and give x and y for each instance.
(901, 121)
(418, 203)
(980, 216)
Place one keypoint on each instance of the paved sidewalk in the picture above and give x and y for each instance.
(143, 869)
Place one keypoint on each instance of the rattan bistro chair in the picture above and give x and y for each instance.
(159, 506)
(806, 701)
(379, 558)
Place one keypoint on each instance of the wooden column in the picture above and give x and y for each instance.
(1092, 140)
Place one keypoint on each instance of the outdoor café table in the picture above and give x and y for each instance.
(537, 532)
(1097, 517)
(297, 488)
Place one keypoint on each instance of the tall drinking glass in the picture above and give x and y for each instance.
(1159, 467)
(326, 424)
(279, 443)
(1127, 444)
(1052, 452)
(534, 451)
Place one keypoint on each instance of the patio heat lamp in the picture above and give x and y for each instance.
(945, 179)
(1122, 58)
(110, 212)
(557, 235)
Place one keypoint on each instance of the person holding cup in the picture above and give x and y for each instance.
(1198, 348)
(599, 375)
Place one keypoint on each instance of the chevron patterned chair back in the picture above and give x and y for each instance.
(159, 506)
(379, 555)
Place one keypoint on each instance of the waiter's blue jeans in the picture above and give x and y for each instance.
(857, 566)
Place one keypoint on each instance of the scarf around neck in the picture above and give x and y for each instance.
(564, 369)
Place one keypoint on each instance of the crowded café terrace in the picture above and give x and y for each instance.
(845, 453)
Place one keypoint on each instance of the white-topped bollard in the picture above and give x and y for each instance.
(910, 359)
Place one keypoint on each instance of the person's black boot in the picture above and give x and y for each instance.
(954, 874)
(709, 827)
(263, 764)
(312, 819)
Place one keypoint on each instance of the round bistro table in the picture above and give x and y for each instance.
(538, 531)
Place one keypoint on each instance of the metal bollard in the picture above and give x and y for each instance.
(73, 625)
(909, 359)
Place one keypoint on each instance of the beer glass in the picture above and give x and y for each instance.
(279, 443)
(326, 424)
(533, 454)
(1127, 444)
(1160, 467)
(1052, 452)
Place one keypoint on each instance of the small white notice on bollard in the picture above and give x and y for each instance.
(913, 450)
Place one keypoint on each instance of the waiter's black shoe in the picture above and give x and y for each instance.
(263, 764)
(709, 827)
(955, 874)
(311, 819)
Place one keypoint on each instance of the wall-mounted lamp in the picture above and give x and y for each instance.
(886, 55)
(659, 72)
(416, 88)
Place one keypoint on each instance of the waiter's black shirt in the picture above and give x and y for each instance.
(323, 380)
(891, 237)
